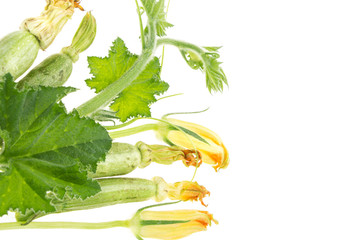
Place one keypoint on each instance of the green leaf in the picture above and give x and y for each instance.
(208, 63)
(134, 100)
(46, 149)
(155, 10)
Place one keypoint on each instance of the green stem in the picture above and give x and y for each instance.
(64, 225)
(169, 96)
(122, 125)
(163, 48)
(141, 25)
(162, 59)
(180, 44)
(109, 93)
(134, 130)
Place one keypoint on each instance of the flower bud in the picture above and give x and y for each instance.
(168, 154)
(83, 38)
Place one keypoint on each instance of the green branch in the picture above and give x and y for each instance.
(141, 25)
(134, 130)
(180, 44)
(64, 225)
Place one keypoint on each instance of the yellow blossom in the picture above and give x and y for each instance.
(186, 191)
(170, 225)
(193, 136)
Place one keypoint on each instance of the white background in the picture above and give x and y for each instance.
(290, 117)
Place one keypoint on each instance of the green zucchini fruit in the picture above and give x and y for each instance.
(18, 51)
(113, 191)
(53, 71)
(122, 159)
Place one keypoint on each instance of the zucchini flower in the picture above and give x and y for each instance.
(167, 155)
(186, 191)
(170, 225)
(193, 136)
(47, 26)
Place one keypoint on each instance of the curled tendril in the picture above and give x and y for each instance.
(142, 10)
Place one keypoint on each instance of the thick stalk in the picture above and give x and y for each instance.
(109, 93)
(64, 225)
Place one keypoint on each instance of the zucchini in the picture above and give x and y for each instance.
(124, 158)
(53, 71)
(113, 191)
(56, 69)
(18, 51)
(124, 190)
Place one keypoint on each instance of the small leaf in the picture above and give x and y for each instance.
(156, 12)
(209, 64)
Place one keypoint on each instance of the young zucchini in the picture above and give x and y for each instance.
(125, 190)
(123, 158)
(56, 69)
(53, 71)
(18, 50)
